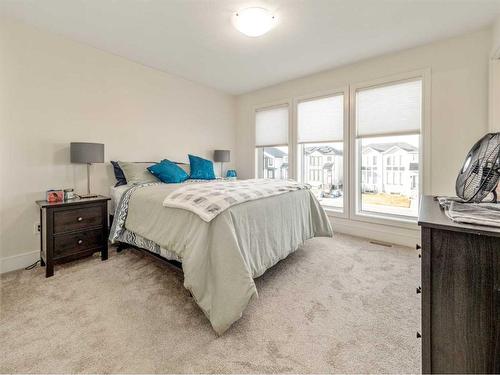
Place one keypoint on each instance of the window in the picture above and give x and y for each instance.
(320, 135)
(388, 121)
(271, 141)
(381, 178)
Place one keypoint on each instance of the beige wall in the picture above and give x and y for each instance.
(495, 79)
(54, 91)
(459, 99)
(495, 95)
(495, 45)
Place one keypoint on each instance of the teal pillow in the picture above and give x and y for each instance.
(168, 172)
(201, 169)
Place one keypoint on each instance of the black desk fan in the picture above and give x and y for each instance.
(480, 173)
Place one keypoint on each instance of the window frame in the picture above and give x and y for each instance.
(356, 213)
(288, 103)
(344, 90)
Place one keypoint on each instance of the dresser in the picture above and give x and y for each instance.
(72, 230)
(460, 294)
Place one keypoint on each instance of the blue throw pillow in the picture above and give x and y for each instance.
(168, 172)
(201, 169)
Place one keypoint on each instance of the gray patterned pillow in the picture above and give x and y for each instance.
(136, 173)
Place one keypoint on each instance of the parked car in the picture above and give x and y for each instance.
(333, 193)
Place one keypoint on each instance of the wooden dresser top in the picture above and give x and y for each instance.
(433, 216)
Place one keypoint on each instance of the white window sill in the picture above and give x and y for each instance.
(409, 223)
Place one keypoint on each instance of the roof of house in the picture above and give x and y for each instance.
(383, 147)
(274, 152)
(325, 150)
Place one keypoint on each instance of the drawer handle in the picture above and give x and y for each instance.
(419, 290)
(79, 218)
(79, 242)
(418, 247)
(418, 335)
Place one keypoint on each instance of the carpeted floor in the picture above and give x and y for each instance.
(335, 305)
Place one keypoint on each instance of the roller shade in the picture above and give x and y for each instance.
(321, 120)
(271, 127)
(389, 109)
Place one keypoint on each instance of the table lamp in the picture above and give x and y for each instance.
(87, 153)
(222, 156)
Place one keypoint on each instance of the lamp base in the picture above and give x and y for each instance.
(87, 196)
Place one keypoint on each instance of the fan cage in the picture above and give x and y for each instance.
(480, 173)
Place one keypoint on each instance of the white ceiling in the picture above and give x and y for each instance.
(196, 40)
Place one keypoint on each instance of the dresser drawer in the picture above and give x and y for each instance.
(76, 219)
(75, 242)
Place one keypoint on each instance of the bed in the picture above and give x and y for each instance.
(116, 193)
(220, 257)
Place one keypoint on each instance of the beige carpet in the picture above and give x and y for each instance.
(336, 305)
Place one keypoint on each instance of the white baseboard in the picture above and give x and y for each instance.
(17, 262)
(379, 232)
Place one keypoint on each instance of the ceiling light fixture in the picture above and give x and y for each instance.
(254, 21)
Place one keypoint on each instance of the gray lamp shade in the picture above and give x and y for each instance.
(83, 152)
(222, 156)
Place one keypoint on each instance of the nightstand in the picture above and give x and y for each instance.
(72, 229)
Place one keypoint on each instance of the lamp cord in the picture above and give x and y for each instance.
(30, 267)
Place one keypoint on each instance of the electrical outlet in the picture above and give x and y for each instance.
(36, 228)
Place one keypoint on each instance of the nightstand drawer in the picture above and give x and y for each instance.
(75, 219)
(73, 243)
